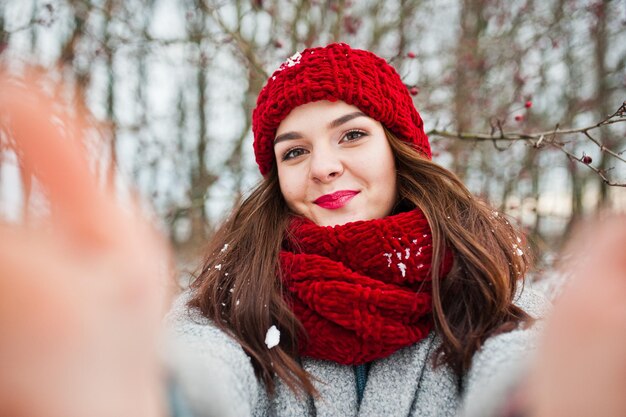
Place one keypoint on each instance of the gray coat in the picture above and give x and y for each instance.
(218, 379)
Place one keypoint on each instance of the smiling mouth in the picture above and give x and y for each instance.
(335, 200)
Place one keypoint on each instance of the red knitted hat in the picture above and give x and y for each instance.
(335, 72)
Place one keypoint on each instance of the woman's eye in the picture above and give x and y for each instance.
(293, 153)
(353, 135)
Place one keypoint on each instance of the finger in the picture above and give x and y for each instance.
(86, 211)
(58, 161)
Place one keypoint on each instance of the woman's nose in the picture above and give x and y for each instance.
(325, 164)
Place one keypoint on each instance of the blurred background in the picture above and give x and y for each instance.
(506, 90)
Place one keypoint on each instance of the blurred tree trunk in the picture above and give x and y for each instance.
(26, 180)
(109, 51)
(339, 8)
(256, 77)
(256, 81)
(406, 25)
(532, 167)
(570, 102)
(33, 30)
(602, 102)
(469, 60)
(201, 179)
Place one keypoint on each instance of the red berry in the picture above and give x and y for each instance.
(414, 91)
(586, 159)
(528, 104)
(411, 55)
(278, 43)
(519, 118)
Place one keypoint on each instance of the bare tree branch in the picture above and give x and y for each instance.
(617, 117)
(548, 138)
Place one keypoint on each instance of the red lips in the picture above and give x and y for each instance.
(335, 200)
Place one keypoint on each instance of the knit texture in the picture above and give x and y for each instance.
(361, 290)
(336, 72)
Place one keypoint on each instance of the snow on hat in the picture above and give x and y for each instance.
(336, 72)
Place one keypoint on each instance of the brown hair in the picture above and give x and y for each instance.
(475, 300)
(239, 287)
(239, 290)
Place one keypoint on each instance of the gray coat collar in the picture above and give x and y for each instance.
(403, 384)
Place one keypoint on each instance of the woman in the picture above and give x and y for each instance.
(393, 290)
(85, 343)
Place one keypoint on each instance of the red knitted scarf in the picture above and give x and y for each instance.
(362, 290)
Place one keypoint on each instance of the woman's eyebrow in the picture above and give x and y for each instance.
(344, 119)
(335, 123)
(287, 136)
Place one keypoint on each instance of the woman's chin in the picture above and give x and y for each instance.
(339, 218)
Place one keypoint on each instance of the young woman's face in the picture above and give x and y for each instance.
(335, 164)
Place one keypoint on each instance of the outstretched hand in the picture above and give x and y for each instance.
(581, 366)
(82, 294)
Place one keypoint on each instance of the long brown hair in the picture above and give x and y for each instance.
(475, 300)
(239, 290)
(239, 286)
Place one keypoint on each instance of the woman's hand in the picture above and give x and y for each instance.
(82, 294)
(581, 365)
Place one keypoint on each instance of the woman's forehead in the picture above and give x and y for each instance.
(318, 112)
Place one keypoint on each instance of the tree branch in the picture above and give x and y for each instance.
(548, 138)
